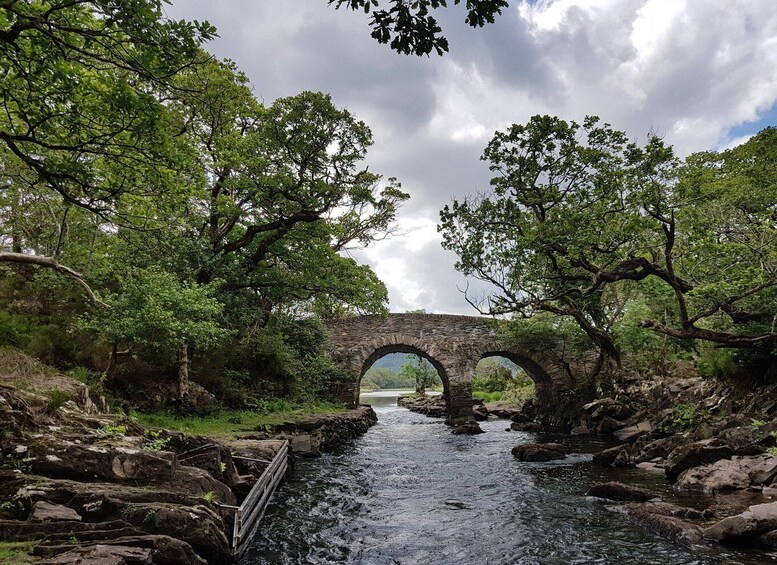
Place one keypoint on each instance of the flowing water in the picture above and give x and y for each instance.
(411, 492)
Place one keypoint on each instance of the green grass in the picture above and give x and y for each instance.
(234, 423)
(487, 396)
(16, 552)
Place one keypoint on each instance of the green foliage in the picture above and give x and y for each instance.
(381, 378)
(153, 309)
(487, 396)
(714, 363)
(583, 224)
(409, 28)
(421, 372)
(17, 552)
(155, 440)
(56, 400)
(519, 390)
(112, 432)
(206, 222)
(233, 423)
(685, 417)
(757, 424)
(209, 496)
(491, 376)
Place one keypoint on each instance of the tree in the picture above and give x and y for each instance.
(409, 28)
(577, 213)
(421, 372)
(279, 193)
(154, 310)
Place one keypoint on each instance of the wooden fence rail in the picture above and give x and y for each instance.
(250, 512)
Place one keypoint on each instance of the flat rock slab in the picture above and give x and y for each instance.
(44, 511)
(103, 555)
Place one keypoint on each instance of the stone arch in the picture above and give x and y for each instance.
(454, 343)
(411, 350)
(542, 379)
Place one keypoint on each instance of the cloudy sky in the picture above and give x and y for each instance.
(701, 73)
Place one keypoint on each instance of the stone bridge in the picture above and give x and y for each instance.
(453, 344)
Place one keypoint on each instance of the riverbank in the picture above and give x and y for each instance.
(78, 482)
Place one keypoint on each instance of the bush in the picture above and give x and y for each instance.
(716, 363)
(487, 396)
(56, 400)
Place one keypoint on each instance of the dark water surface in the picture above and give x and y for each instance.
(410, 492)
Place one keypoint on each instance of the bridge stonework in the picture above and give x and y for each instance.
(453, 344)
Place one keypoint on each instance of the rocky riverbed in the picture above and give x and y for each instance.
(84, 485)
(715, 443)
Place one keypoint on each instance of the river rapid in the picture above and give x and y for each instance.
(409, 491)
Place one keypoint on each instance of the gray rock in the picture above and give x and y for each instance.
(655, 519)
(764, 472)
(660, 448)
(620, 491)
(538, 452)
(721, 476)
(694, 455)
(744, 528)
(608, 407)
(617, 456)
(631, 433)
(43, 511)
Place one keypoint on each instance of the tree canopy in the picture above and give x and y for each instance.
(581, 222)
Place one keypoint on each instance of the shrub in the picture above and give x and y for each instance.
(56, 399)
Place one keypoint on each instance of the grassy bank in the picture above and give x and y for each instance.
(16, 552)
(235, 423)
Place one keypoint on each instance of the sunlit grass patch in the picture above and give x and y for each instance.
(234, 423)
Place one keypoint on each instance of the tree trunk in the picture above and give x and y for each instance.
(111, 363)
(113, 359)
(184, 353)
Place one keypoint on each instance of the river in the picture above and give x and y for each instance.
(409, 492)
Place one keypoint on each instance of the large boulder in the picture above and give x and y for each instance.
(620, 491)
(197, 526)
(660, 448)
(68, 460)
(538, 452)
(743, 529)
(744, 440)
(695, 455)
(631, 433)
(721, 476)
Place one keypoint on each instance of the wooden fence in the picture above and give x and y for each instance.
(250, 512)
